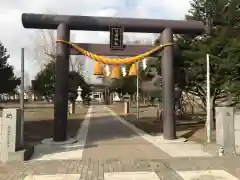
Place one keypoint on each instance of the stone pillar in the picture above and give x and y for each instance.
(126, 107)
(169, 124)
(107, 96)
(61, 89)
(72, 107)
(225, 130)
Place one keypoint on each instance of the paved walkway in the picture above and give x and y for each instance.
(115, 151)
(108, 138)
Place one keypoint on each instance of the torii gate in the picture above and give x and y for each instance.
(64, 23)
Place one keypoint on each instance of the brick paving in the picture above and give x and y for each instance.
(112, 147)
(90, 169)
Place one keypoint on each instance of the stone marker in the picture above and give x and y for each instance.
(10, 132)
(3, 141)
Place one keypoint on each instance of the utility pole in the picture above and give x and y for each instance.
(209, 117)
(137, 90)
(208, 98)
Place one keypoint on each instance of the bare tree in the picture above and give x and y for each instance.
(27, 79)
(44, 50)
(77, 63)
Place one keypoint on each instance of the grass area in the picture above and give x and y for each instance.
(191, 126)
(38, 123)
(117, 107)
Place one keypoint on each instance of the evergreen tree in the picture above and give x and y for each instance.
(222, 43)
(7, 78)
(45, 82)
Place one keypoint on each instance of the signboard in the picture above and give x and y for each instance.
(116, 37)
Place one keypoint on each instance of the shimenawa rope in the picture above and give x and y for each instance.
(115, 61)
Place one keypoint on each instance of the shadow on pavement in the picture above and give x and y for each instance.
(153, 126)
(107, 128)
(36, 131)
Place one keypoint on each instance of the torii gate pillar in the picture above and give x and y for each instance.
(61, 89)
(169, 124)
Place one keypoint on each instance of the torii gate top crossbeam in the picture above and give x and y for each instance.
(91, 23)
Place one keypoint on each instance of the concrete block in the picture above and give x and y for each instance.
(225, 135)
(237, 128)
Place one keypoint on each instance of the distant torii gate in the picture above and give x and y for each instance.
(65, 23)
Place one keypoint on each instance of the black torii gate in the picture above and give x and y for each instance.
(65, 23)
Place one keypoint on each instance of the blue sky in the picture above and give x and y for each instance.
(14, 36)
